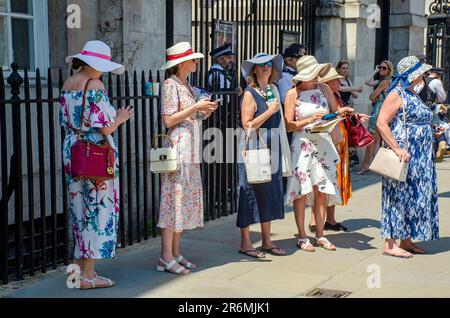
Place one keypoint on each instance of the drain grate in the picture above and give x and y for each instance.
(327, 293)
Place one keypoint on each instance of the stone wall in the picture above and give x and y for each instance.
(135, 30)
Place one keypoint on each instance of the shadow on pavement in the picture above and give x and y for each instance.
(436, 247)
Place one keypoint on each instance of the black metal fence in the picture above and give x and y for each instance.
(260, 27)
(35, 232)
(438, 37)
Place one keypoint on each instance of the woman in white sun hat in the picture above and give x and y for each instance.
(314, 156)
(94, 205)
(181, 203)
(409, 209)
(261, 203)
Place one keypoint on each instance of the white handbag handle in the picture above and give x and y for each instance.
(247, 138)
(155, 140)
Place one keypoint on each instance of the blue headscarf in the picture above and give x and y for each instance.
(402, 78)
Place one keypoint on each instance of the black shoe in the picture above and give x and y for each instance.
(336, 227)
(312, 228)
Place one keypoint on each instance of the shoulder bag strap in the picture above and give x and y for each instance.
(83, 109)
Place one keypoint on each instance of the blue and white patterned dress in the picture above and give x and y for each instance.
(410, 209)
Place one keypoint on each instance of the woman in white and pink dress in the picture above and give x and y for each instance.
(314, 156)
(181, 202)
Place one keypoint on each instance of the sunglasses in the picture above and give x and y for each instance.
(269, 64)
(384, 68)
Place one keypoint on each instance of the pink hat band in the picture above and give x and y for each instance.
(101, 56)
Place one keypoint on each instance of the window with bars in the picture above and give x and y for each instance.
(24, 34)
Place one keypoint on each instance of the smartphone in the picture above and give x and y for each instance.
(219, 101)
(329, 116)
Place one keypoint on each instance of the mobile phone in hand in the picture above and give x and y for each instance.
(219, 101)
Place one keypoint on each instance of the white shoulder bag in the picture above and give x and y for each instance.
(387, 163)
(163, 160)
(257, 162)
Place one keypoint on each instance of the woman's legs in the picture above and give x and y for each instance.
(88, 273)
(167, 239)
(319, 211)
(246, 244)
(330, 215)
(299, 211)
(176, 251)
(391, 248)
(409, 246)
(266, 240)
(370, 151)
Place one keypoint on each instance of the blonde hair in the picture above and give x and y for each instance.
(390, 66)
(252, 80)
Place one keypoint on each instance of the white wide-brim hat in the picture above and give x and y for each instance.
(308, 69)
(97, 55)
(179, 53)
(262, 58)
(408, 63)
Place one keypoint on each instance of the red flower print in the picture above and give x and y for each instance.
(101, 120)
(94, 108)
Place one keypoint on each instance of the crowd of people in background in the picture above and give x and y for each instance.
(406, 106)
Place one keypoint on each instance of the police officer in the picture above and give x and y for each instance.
(432, 90)
(220, 75)
(291, 56)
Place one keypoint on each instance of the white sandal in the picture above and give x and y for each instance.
(168, 267)
(189, 265)
(111, 283)
(303, 244)
(327, 244)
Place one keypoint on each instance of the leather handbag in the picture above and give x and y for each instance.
(257, 162)
(358, 135)
(163, 160)
(388, 164)
(90, 160)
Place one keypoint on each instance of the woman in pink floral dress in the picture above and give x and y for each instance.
(94, 205)
(181, 204)
(314, 156)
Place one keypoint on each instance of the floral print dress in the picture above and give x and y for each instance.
(181, 204)
(410, 209)
(314, 156)
(94, 205)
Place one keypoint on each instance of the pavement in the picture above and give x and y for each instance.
(357, 267)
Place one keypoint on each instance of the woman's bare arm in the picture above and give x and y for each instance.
(248, 109)
(384, 85)
(289, 113)
(389, 109)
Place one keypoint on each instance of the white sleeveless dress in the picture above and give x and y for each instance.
(314, 156)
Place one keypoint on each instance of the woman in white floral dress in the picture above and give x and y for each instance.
(314, 156)
(94, 205)
(181, 204)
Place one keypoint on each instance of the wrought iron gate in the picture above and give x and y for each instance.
(260, 25)
(438, 38)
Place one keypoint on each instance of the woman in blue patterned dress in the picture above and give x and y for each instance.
(94, 205)
(409, 209)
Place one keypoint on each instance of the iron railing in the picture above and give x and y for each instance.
(35, 231)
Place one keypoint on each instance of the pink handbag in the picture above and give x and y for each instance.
(89, 160)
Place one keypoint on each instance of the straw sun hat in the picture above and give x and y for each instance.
(331, 75)
(308, 69)
(97, 55)
(179, 53)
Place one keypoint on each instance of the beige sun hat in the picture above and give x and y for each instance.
(179, 53)
(332, 75)
(308, 69)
